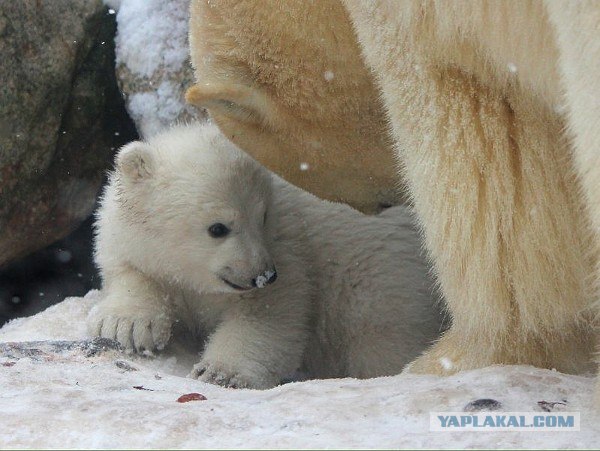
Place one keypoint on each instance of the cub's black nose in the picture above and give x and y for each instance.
(266, 278)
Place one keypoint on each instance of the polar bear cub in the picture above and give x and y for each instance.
(192, 230)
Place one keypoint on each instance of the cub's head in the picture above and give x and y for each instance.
(198, 210)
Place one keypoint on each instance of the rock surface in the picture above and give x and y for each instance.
(153, 65)
(61, 118)
(47, 276)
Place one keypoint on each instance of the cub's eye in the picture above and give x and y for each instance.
(218, 230)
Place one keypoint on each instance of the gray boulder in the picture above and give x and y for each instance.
(61, 118)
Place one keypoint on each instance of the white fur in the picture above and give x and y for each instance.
(476, 93)
(352, 296)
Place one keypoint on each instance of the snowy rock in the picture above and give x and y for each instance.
(38, 350)
(60, 109)
(107, 399)
(153, 66)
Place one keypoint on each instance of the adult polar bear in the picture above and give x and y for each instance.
(473, 91)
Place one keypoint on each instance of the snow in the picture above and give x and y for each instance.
(152, 110)
(152, 62)
(69, 400)
(152, 33)
(446, 363)
(263, 280)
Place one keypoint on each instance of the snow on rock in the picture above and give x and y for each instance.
(61, 394)
(153, 66)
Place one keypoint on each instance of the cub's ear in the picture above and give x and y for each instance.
(135, 160)
(240, 102)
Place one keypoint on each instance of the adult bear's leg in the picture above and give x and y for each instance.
(577, 26)
(494, 190)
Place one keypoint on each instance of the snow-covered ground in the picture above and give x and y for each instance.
(68, 397)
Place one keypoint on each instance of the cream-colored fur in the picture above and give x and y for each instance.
(285, 81)
(494, 113)
(352, 297)
(475, 96)
(577, 28)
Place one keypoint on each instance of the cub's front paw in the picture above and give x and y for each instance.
(142, 334)
(219, 374)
